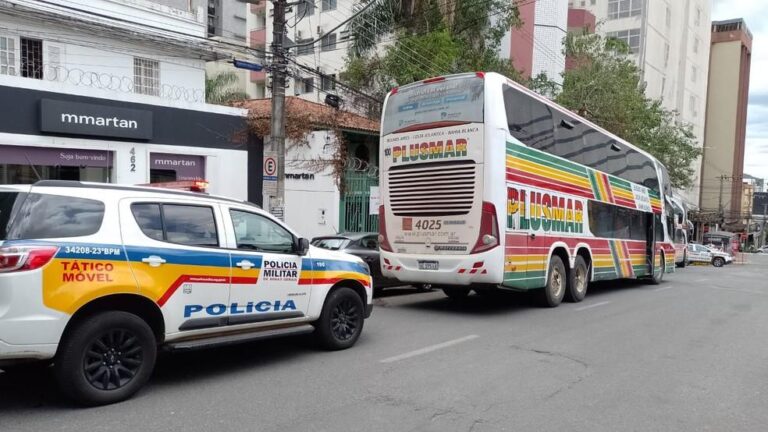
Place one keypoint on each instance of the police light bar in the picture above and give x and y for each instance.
(187, 185)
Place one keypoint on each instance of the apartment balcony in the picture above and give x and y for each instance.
(258, 38)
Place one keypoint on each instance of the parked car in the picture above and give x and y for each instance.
(366, 246)
(720, 258)
(361, 244)
(96, 278)
(699, 253)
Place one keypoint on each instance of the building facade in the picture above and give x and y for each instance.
(305, 22)
(723, 159)
(670, 40)
(115, 92)
(536, 47)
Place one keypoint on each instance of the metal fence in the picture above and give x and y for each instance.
(355, 213)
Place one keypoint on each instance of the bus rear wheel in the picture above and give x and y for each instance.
(553, 292)
(658, 276)
(579, 280)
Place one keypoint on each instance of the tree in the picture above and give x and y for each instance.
(221, 89)
(605, 87)
(426, 38)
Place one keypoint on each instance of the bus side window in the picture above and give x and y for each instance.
(529, 121)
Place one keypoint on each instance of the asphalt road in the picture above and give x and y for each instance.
(688, 355)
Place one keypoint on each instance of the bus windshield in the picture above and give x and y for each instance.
(434, 103)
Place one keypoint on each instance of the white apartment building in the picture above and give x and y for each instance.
(312, 20)
(114, 91)
(671, 41)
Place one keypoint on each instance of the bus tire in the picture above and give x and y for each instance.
(456, 293)
(127, 348)
(656, 278)
(579, 280)
(553, 292)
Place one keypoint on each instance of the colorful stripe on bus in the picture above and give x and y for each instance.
(535, 168)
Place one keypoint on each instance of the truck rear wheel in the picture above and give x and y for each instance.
(105, 358)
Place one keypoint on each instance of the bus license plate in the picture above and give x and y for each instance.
(429, 265)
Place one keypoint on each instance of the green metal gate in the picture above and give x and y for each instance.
(354, 211)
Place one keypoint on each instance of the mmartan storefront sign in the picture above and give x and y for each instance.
(187, 167)
(73, 118)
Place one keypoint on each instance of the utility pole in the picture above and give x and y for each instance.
(277, 125)
(762, 230)
(720, 198)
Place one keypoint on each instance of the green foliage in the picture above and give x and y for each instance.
(221, 89)
(426, 38)
(606, 87)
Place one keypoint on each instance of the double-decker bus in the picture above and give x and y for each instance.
(487, 186)
(678, 226)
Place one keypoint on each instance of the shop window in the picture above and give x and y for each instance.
(7, 56)
(146, 76)
(255, 232)
(52, 216)
(31, 58)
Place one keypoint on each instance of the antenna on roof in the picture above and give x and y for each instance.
(37, 174)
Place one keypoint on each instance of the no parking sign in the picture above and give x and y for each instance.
(270, 167)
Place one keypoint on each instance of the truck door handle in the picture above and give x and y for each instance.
(245, 265)
(153, 260)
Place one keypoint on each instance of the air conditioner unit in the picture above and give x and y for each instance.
(344, 35)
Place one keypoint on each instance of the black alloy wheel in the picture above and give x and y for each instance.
(105, 358)
(113, 359)
(345, 320)
(341, 321)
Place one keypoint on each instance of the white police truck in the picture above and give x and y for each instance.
(95, 278)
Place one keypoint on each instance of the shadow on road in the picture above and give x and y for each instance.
(33, 389)
(496, 303)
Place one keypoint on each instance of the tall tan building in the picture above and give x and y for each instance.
(725, 131)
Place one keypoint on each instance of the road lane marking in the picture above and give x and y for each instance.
(737, 290)
(663, 288)
(429, 349)
(592, 306)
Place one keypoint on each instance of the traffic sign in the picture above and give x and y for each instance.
(270, 167)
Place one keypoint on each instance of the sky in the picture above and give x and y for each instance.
(755, 14)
